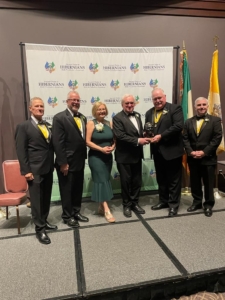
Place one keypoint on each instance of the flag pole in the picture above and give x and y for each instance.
(216, 190)
(186, 190)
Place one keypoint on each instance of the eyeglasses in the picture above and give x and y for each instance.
(126, 103)
(157, 98)
(74, 100)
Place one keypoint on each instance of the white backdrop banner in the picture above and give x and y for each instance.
(99, 74)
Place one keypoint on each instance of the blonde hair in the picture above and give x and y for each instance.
(96, 106)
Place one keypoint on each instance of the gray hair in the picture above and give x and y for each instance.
(74, 92)
(201, 98)
(125, 97)
(158, 89)
(35, 98)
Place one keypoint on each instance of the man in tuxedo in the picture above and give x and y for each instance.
(127, 128)
(166, 149)
(69, 130)
(202, 136)
(36, 157)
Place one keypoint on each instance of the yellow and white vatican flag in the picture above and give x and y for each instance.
(214, 95)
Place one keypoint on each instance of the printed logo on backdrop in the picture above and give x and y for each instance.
(153, 83)
(134, 68)
(50, 67)
(51, 84)
(52, 101)
(89, 118)
(114, 68)
(48, 118)
(93, 68)
(94, 84)
(154, 67)
(115, 84)
(82, 102)
(147, 99)
(136, 98)
(94, 100)
(73, 84)
(55, 182)
(116, 176)
(72, 67)
(113, 115)
(135, 83)
(152, 173)
(113, 100)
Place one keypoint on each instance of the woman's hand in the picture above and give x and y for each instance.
(107, 150)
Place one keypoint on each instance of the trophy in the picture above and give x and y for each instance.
(149, 129)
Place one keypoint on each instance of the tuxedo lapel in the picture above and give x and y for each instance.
(83, 126)
(127, 119)
(194, 124)
(166, 111)
(72, 121)
(38, 130)
(202, 127)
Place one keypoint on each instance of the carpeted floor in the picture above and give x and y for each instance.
(101, 258)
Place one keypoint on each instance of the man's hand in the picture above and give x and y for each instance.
(29, 176)
(64, 169)
(143, 141)
(197, 154)
(156, 138)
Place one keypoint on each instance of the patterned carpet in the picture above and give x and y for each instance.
(204, 296)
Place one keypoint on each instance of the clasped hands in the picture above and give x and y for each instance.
(147, 140)
(197, 154)
(107, 149)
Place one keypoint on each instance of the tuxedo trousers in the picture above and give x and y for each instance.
(40, 189)
(169, 177)
(71, 189)
(199, 173)
(130, 178)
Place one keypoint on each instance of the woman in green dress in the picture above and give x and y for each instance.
(99, 139)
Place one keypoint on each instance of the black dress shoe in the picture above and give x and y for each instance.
(172, 212)
(159, 206)
(43, 237)
(136, 208)
(50, 226)
(208, 212)
(72, 223)
(194, 207)
(127, 211)
(81, 218)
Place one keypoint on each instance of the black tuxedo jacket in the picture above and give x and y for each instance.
(127, 148)
(34, 153)
(69, 145)
(208, 139)
(170, 127)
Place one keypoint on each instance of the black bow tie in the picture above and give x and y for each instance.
(131, 114)
(42, 122)
(76, 115)
(200, 117)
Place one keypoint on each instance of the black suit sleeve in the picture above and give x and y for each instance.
(22, 149)
(121, 133)
(58, 138)
(186, 140)
(216, 139)
(177, 120)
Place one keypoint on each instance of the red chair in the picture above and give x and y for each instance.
(15, 186)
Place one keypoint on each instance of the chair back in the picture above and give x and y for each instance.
(14, 182)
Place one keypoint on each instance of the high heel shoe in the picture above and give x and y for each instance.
(109, 217)
(101, 210)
